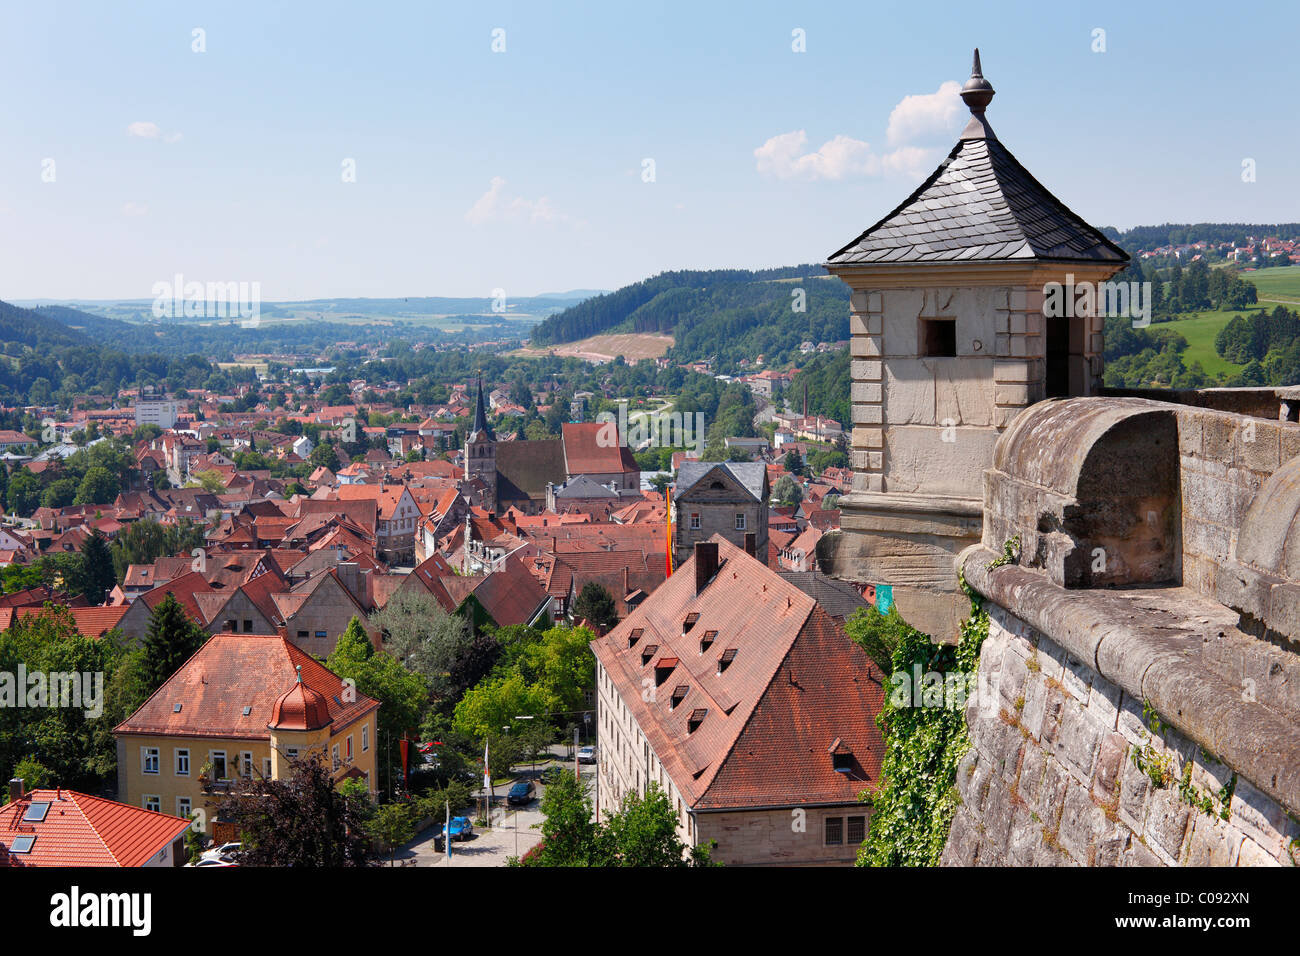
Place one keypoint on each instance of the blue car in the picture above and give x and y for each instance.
(461, 828)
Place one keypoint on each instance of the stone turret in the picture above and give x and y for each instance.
(949, 343)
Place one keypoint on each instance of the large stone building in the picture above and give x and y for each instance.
(746, 703)
(725, 497)
(949, 343)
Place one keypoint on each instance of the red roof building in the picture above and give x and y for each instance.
(67, 828)
(762, 715)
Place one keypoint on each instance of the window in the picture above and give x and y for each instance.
(697, 717)
(291, 753)
(365, 738)
(695, 522)
(334, 754)
(182, 763)
(939, 337)
(302, 634)
(218, 765)
(347, 749)
(266, 767)
(153, 802)
(728, 656)
(740, 522)
(834, 831)
(246, 765)
(322, 634)
(149, 759)
(183, 807)
(857, 829)
(248, 626)
(707, 640)
(679, 694)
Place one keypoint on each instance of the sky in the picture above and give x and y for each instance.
(387, 149)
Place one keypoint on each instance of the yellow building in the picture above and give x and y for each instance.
(242, 706)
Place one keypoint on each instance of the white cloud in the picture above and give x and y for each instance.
(925, 115)
(497, 205)
(913, 162)
(917, 117)
(785, 157)
(134, 208)
(146, 130)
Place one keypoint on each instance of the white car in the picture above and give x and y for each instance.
(226, 852)
(213, 861)
(586, 755)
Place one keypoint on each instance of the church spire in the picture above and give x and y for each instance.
(480, 415)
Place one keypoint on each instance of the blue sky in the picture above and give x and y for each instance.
(522, 170)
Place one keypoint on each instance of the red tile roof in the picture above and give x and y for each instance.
(82, 830)
(588, 451)
(232, 672)
(777, 702)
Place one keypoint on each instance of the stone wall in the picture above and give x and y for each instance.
(1050, 778)
(779, 837)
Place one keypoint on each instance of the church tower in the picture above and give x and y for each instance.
(481, 453)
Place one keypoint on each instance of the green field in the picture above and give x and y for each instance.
(1277, 286)
(1200, 328)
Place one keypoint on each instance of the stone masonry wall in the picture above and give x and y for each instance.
(1050, 778)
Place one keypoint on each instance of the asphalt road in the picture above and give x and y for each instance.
(513, 831)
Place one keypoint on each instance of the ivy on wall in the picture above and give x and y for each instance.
(913, 809)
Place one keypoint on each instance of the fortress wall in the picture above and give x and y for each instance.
(1050, 778)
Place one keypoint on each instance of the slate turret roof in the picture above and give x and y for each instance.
(980, 205)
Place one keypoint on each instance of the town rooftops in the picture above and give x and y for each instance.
(980, 205)
(67, 828)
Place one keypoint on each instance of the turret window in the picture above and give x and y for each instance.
(939, 337)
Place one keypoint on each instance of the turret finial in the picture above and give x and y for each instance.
(977, 93)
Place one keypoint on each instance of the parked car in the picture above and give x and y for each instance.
(213, 861)
(521, 793)
(586, 755)
(461, 828)
(227, 852)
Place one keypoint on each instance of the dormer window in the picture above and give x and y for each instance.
(635, 636)
(648, 652)
(697, 717)
(664, 668)
(679, 694)
(707, 640)
(690, 621)
(725, 660)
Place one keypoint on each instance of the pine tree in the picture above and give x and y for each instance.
(98, 576)
(171, 640)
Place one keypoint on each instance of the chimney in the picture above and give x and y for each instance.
(16, 789)
(751, 543)
(706, 563)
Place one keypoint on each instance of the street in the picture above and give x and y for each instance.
(513, 831)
